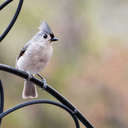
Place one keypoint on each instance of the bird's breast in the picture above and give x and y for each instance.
(36, 58)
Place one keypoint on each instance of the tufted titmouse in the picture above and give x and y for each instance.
(34, 56)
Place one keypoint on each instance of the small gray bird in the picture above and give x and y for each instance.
(34, 56)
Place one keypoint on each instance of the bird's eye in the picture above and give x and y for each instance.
(45, 36)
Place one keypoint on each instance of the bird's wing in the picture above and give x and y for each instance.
(23, 50)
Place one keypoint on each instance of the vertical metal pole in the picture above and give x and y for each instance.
(1, 99)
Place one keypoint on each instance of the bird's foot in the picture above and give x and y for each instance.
(29, 76)
(43, 80)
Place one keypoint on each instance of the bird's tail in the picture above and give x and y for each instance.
(29, 90)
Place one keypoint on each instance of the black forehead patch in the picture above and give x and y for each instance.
(52, 35)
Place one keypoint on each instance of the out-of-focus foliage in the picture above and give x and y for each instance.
(89, 65)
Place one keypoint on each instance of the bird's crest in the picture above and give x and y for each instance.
(44, 27)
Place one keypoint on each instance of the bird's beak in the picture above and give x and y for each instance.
(54, 39)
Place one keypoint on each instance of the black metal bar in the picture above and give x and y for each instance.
(5, 4)
(12, 21)
(19, 106)
(63, 100)
(49, 89)
(1, 99)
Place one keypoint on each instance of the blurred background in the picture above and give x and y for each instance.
(89, 65)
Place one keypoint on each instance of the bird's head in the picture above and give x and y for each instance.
(45, 34)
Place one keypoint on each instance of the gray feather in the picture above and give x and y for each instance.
(23, 50)
(44, 27)
(29, 90)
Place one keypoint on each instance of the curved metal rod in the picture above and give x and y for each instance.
(19, 106)
(5, 4)
(49, 89)
(1, 99)
(13, 19)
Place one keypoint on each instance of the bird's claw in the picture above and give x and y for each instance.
(29, 76)
(43, 80)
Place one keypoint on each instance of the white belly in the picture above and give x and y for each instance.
(35, 58)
